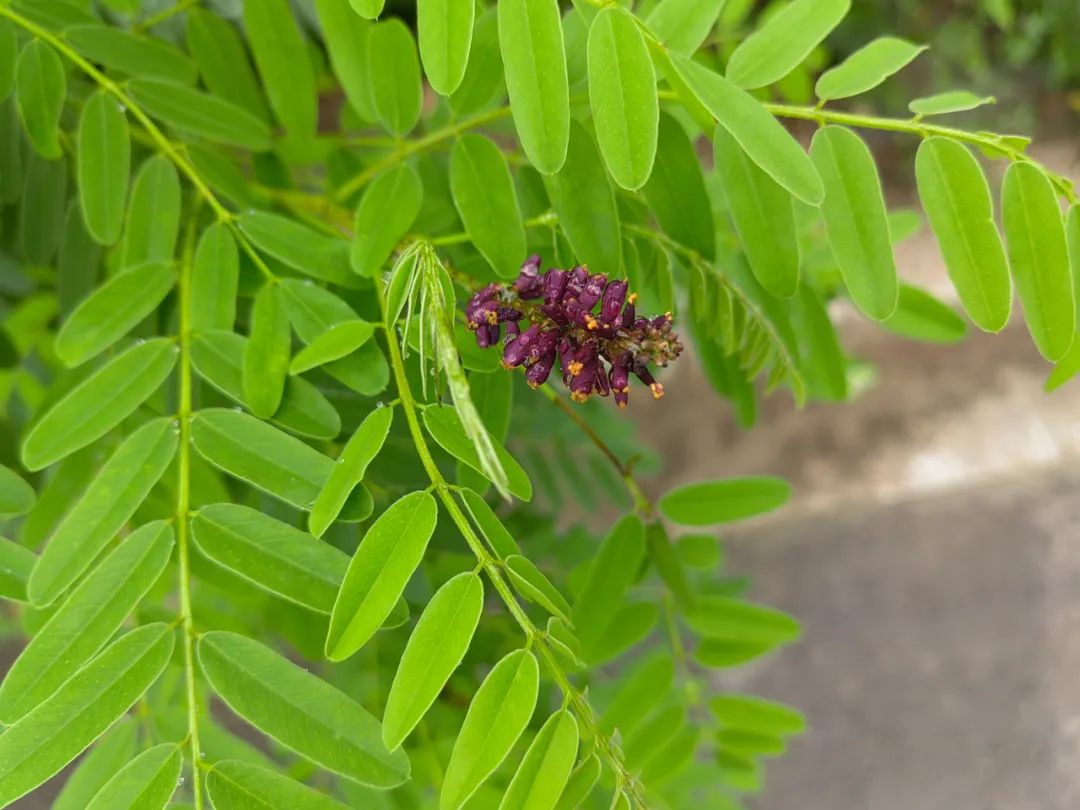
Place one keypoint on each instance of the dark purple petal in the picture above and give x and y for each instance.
(646, 377)
(614, 298)
(517, 350)
(529, 283)
(537, 374)
(600, 383)
(594, 288)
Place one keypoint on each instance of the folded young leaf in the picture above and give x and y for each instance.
(147, 782)
(445, 30)
(234, 785)
(530, 582)
(52, 735)
(104, 167)
(299, 710)
(545, 768)
(434, 650)
(381, 567)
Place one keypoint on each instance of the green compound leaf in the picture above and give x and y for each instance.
(86, 621)
(957, 201)
(435, 649)
(950, 102)
(530, 582)
(40, 90)
(381, 567)
(113, 310)
(784, 41)
(868, 67)
(1038, 255)
(394, 72)
(484, 196)
(713, 502)
(340, 340)
(57, 731)
(622, 94)
(920, 316)
(16, 496)
(497, 716)
(116, 492)
(104, 167)
(218, 358)
(534, 60)
(760, 135)
(266, 356)
(281, 57)
(611, 573)
(132, 54)
(299, 710)
(198, 113)
(445, 29)
(153, 215)
(145, 783)
(763, 217)
(275, 462)
(215, 279)
(99, 403)
(855, 220)
(683, 25)
(445, 428)
(545, 768)
(384, 215)
(16, 563)
(271, 554)
(348, 472)
(235, 785)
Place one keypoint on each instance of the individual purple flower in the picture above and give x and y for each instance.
(516, 351)
(612, 303)
(537, 374)
(529, 283)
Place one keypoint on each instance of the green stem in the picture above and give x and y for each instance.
(534, 637)
(164, 14)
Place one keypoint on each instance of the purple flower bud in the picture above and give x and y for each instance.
(529, 283)
(646, 377)
(537, 374)
(575, 283)
(512, 330)
(544, 345)
(583, 371)
(629, 314)
(517, 350)
(600, 383)
(594, 288)
(566, 357)
(620, 380)
(487, 335)
(614, 298)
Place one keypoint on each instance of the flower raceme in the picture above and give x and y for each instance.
(588, 322)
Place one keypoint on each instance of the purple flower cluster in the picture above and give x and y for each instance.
(588, 322)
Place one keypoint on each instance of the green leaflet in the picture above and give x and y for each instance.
(299, 710)
(445, 29)
(611, 573)
(498, 714)
(347, 38)
(384, 215)
(434, 650)
(147, 782)
(313, 310)
(368, 9)
(381, 567)
(722, 653)
(699, 551)
(676, 191)
(920, 316)
(215, 279)
(956, 198)
(866, 68)
(394, 73)
(11, 156)
(755, 714)
(340, 340)
(113, 310)
(580, 784)
(266, 356)
(104, 167)
(66, 483)
(1038, 256)
(16, 496)
(683, 25)
(108, 503)
(271, 554)
(107, 756)
(530, 582)
(298, 246)
(534, 61)
(784, 41)
(622, 94)
(218, 358)
(275, 462)
(949, 102)
(218, 744)
(57, 731)
(40, 90)
(235, 785)
(41, 212)
(491, 528)
(217, 48)
(672, 757)
(86, 620)
(284, 65)
(485, 198)
(78, 261)
(484, 74)
(99, 403)
(855, 219)
(445, 428)
(348, 472)
(760, 135)
(659, 729)
(823, 362)
(582, 196)
(668, 565)
(202, 114)
(1072, 241)
(750, 744)
(132, 54)
(16, 563)
(9, 57)
(632, 624)
(763, 217)
(546, 766)
(153, 215)
(720, 617)
(712, 502)
(637, 694)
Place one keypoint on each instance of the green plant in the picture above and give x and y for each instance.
(277, 469)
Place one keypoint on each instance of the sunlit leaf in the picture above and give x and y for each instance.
(145, 783)
(580, 784)
(723, 501)
(384, 215)
(234, 785)
(920, 316)
(546, 766)
(949, 102)
(443, 424)
(683, 25)
(338, 341)
(394, 72)
(751, 713)
(866, 68)
(445, 29)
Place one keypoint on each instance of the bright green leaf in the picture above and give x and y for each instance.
(491, 528)
(445, 29)
(368, 9)
(751, 713)
(235, 785)
(530, 582)
(153, 220)
(16, 496)
(340, 340)
(215, 278)
(611, 573)
(545, 768)
(347, 38)
(104, 164)
(394, 72)
(16, 564)
(723, 501)
(580, 784)
(266, 357)
(721, 617)
(145, 783)
(132, 54)
(950, 102)
(637, 694)
(298, 246)
(217, 48)
(445, 428)
(866, 68)
(683, 25)
(920, 316)
(107, 757)
(384, 215)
